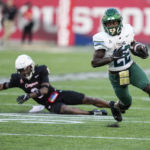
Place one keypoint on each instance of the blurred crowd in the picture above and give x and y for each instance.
(9, 13)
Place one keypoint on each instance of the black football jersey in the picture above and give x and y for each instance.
(40, 76)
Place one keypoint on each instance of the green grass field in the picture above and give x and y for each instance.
(20, 130)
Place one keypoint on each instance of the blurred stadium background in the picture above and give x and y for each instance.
(73, 22)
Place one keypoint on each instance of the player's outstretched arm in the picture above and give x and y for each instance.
(4, 86)
(37, 93)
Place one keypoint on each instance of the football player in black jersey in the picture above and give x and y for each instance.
(34, 80)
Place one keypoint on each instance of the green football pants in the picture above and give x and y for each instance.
(138, 79)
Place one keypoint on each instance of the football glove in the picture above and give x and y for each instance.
(117, 54)
(21, 99)
(140, 50)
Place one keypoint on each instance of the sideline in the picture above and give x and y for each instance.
(78, 76)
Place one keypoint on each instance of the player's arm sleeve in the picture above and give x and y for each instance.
(99, 57)
(45, 74)
(4, 86)
(9, 84)
(98, 43)
(44, 79)
(14, 81)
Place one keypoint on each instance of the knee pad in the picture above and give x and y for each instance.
(147, 89)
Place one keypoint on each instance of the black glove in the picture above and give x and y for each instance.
(21, 99)
(117, 54)
(142, 51)
(139, 49)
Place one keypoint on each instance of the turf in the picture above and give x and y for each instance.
(20, 130)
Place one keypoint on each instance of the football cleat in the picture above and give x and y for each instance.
(115, 112)
(36, 109)
(99, 112)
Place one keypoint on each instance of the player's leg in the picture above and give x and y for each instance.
(24, 34)
(96, 102)
(147, 89)
(123, 95)
(8, 30)
(30, 31)
(61, 108)
(76, 98)
(139, 79)
(102, 103)
(65, 109)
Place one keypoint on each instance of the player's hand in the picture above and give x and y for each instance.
(139, 49)
(142, 51)
(117, 54)
(21, 99)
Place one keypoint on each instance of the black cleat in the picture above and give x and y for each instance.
(99, 112)
(115, 112)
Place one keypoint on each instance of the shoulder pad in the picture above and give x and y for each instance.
(14, 80)
(99, 41)
(127, 33)
(128, 29)
(42, 69)
(14, 76)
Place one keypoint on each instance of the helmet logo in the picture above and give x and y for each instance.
(111, 18)
(112, 31)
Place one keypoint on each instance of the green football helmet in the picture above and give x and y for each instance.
(112, 15)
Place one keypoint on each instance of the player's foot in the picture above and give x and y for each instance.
(115, 111)
(123, 111)
(99, 112)
(36, 109)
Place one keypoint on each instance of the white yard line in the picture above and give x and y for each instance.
(72, 136)
(60, 119)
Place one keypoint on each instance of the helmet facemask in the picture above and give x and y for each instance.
(26, 72)
(112, 22)
(25, 66)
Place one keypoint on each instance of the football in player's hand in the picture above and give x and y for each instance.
(141, 51)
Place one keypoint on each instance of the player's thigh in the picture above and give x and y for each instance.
(56, 107)
(72, 97)
(122, 92)
(123, 95)
(138, 77)
(60, 108)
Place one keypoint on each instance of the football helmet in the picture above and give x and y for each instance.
(112, 21)
(25, 62)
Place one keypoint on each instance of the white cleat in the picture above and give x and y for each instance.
(36, 109)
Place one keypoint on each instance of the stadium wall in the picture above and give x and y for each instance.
(85, 19)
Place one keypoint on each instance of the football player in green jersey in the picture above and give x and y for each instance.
(113, 47)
